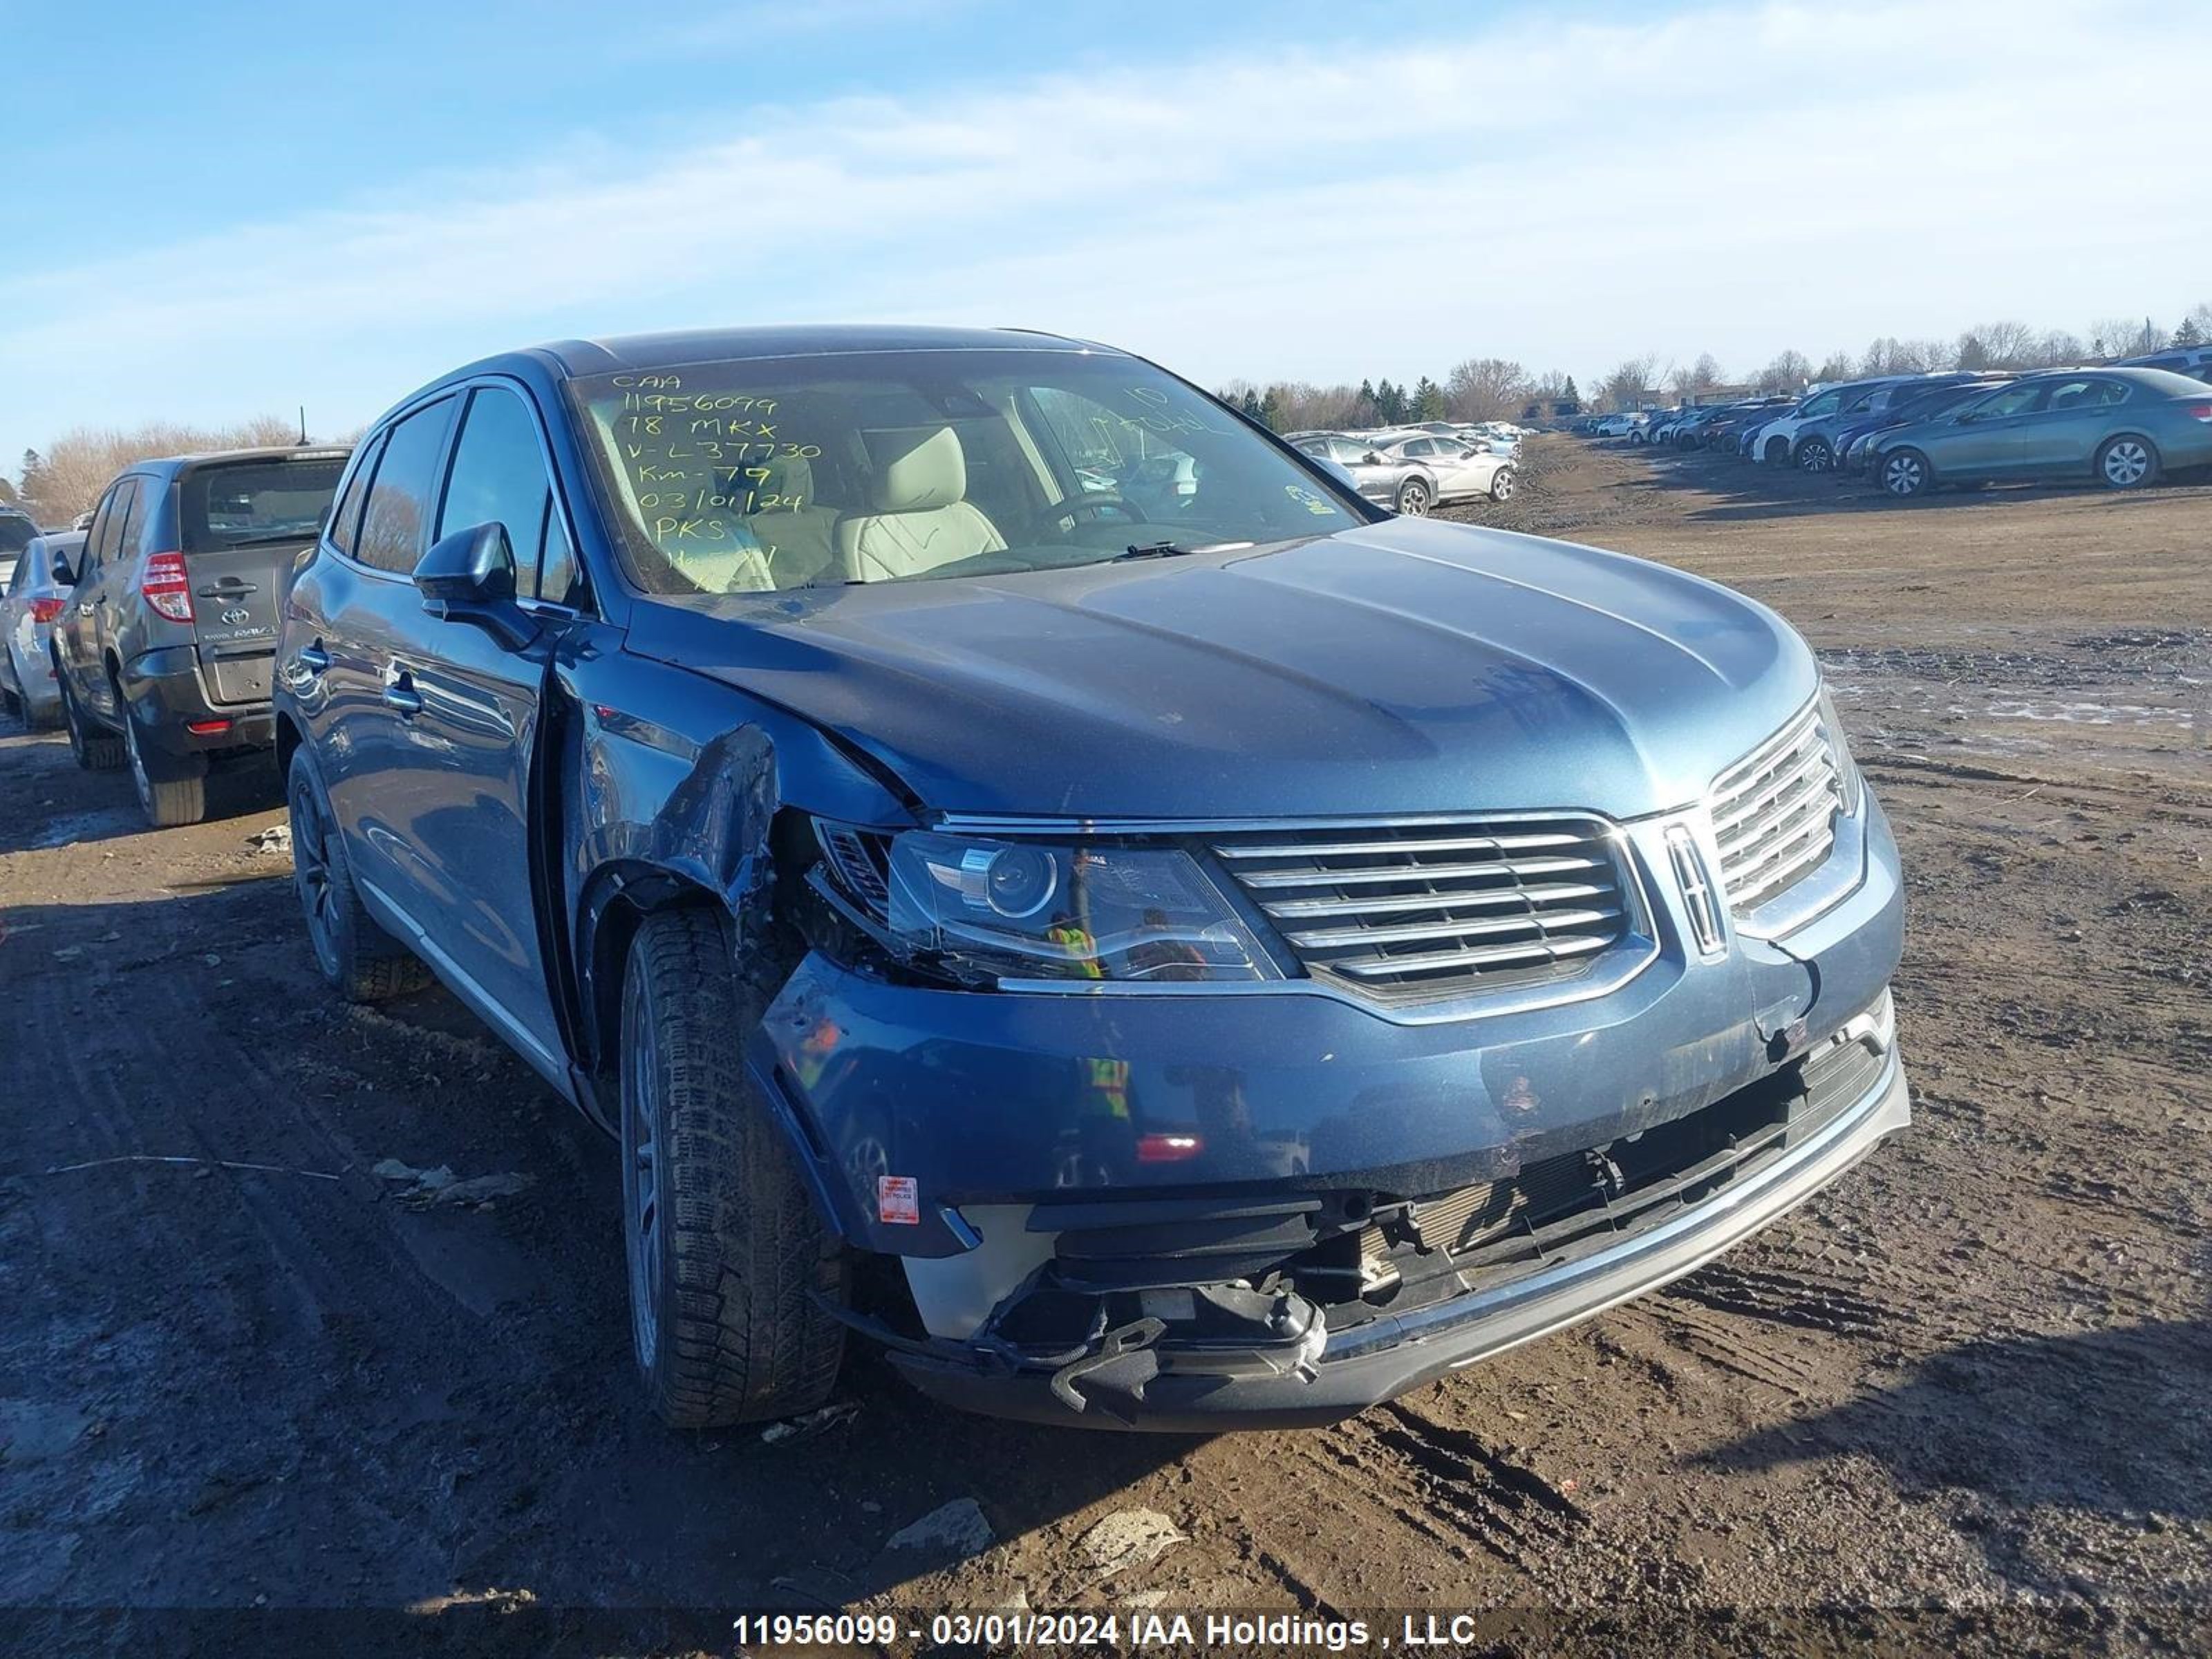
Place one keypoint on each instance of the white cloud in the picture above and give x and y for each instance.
(1736, 179)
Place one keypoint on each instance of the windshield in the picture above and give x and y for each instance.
(245, 502)
(758, 474)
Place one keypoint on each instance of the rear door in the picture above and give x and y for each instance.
(2075, 417)
(469, 709)
(363, 603)
(76, 641)
(115, 603)
(240, 524)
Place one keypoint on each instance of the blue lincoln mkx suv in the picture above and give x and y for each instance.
(1039, 875)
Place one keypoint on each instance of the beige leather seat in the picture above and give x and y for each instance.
(727, 559)
(796, 539)
(729, 564)
(920, 518)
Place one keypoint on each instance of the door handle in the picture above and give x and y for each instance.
(401, 695)
(313, 658)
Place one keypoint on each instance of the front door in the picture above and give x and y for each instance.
(1985, 439)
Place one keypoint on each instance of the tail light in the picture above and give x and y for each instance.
(2200, 412)
(166, 587)
(1170, 1148)
(45, 610)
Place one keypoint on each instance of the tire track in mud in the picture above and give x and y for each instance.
(1395, 1469)
(300, 1289)
(1802, 1300)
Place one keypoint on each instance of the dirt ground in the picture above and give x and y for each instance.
(1972, 1377)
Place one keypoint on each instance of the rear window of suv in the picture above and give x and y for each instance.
(15, 532)
(243, 502)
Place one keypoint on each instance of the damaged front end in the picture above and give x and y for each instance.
(1191, 1311)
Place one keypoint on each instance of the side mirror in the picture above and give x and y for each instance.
(64, 575)
(1372, 458)
(468, 577)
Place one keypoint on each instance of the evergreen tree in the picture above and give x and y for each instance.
(1571, 395)
(1366, 411)
(1428, 400)
(1270, 411)
(2188, 334)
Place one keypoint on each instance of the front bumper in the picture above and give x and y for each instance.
(1161, 1387)
(926, 1117)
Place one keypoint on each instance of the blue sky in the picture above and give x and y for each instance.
(222, 211)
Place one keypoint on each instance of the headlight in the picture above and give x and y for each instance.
(1849, 786)
(1017, 909)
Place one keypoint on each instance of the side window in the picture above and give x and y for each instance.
(2013, 400)
(559, 577)
(129, 520)
(102, 535)
(1823, 405)
(345, 518)
(396, 517)
(499, 477)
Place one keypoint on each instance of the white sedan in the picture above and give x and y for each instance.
(1462, 471)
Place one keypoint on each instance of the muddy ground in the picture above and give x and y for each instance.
(1972, 1375)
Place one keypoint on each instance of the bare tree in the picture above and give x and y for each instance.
(2059, 350)
(2004, 344)
(1837, 367)
(73, 470)
(1486, 389)
(1789, 371)
(2125, 337)
(1626, 386)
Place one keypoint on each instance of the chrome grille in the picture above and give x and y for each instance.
(1406, 911)
(1774, 813)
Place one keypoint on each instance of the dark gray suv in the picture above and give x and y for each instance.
(165, 638)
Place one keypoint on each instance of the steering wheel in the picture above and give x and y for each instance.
(1094, 501)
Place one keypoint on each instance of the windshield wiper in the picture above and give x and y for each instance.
(1174, 549)
(1153, 550)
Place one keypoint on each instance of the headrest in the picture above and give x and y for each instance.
(930, 471)
(790, 478)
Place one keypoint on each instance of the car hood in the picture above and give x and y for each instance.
(1413, 666)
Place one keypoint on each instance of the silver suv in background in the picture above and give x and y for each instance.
(31, 601)
(1410, 471)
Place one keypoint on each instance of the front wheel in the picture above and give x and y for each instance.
(95, 751)
(730, 1264)
(1815, 455)
(2126, 463)
(1414, 498)
(1501, 485)
(1906, 473)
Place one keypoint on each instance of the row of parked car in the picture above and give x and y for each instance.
(2120, 425)
(934, 796)
(1410, 470)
